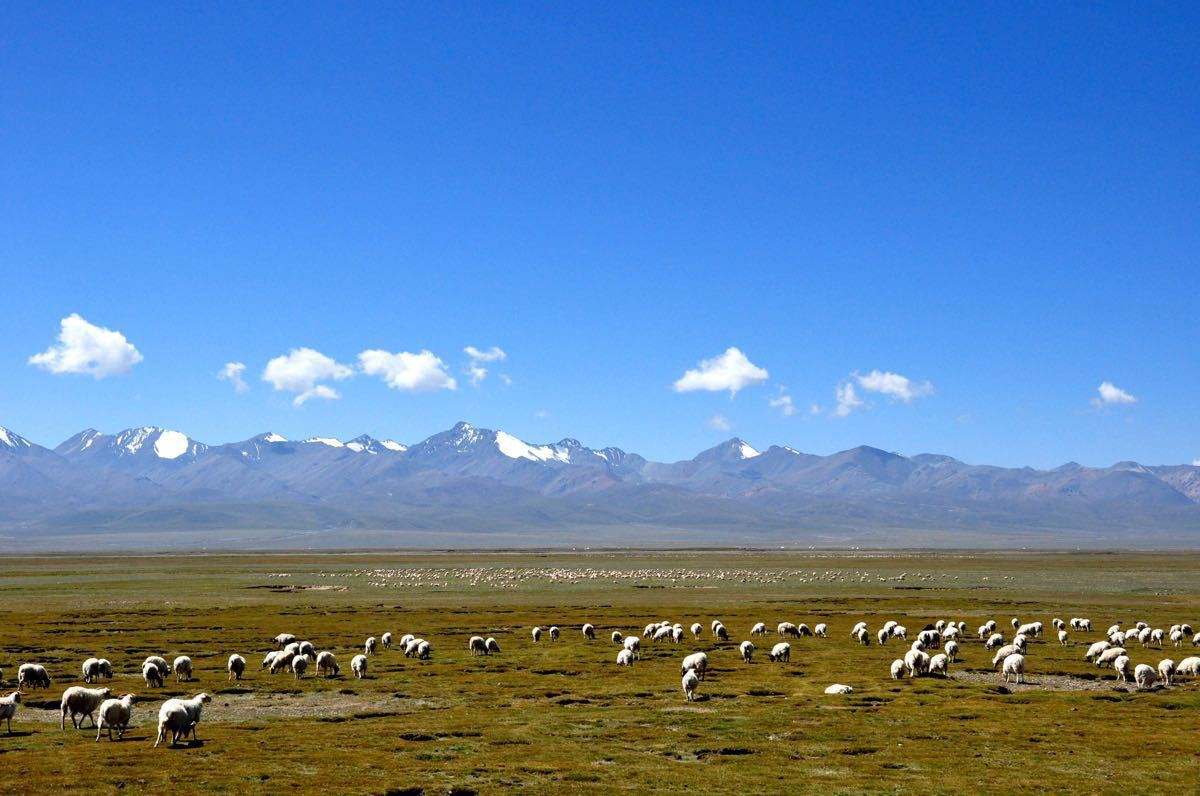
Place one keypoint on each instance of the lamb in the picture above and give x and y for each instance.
(589, 632)
(183, 668)
(180, 716)
(369, 647)
(1014, 665)
(1166, 670)
(537, 634)
(299, 665)
(781, 652)
(554, 633)
(1062, 637)
(152, 675)
(939, 665)
(96, 668)
(477, 646)
(747, 650)
(625, 658)
(821, 630)
(634, 645)
(115, 715)
(33, 675)
(788, 629)
(839, 689)
(327, 664)
(617, 638)
(951, 650)
(698, 662)
(283, 639)
(1107, 657)
(917, 663)
(897, 668)
(8, 708)
(79, 701)
(690, 683)
(358, 665)
(696, 629)
(386, 641)
(492, 646)
(1096, 649)
(236, 666)
(1123, 667)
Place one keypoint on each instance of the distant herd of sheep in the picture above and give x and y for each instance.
(178, 718)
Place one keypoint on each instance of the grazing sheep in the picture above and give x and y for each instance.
(939, 624)
(821, 630)
(787, 629)
(115, 715)
(327, 664)
(804, 630)
(661, 633)
(918, 645)
(951, 650)
(358, 665)
(386, 641)
(697, 661)
(1123, 667)
(1096, 649)
(1188, 667)
(1176, 638)
(1016, 623)
(781, 652)
(950, 633)
(80, 701)
(1014, 665)
(1033, 629)
(634, 645)
(424, 650)
(299, 665)
(939, 665)
(676, 634)
(690, 683)
(410, 649)
(1020, 641)
(1002, 653)
(930, 638)
(492, 646)
(917, 663)
(1112, 629)
(1196, 640)
(183, 668)
(537, 634)
(306, 648)
(1062, 637)
(95, 669)
(1107, 657)
(180, 716)
(589, 632)
(696, 629)
(838, 689)
(1166, 670)
(8, 708)
(857, 627)
(1156, 636)
(987, 628)
(283, 639)
(236, 666)
(888, 625)
(369, 647)
(33, 675)
(1118, 639)
(269, 658)
(882, 637)
(152, 675)
(747, 650)
(1186, 628)
(281, 661)
(617, 638)
(897, 668)
(864, 637)
(407, 637)
(554, 633)
(477, 646)
(1086, 625)
(721, 633)
(1058, 623)
(625, 658)
(900, 631)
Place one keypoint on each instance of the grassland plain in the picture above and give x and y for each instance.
(555, 716)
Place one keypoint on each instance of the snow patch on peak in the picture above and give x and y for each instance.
(273, 437)
(10, 439)
(514, 448)
(392, 445)
(330, 441)
(170, 445)
(357, 447)
(746, 451)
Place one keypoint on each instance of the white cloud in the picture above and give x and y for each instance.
(1195, 462)
(477, 373)
(894, 385)
(1109, 393)
(814, 409)
(719, 422)
(506, 380)
(232, 373)
(730, 371)
(783, 402)
(541, 414)
(301, 370)
(85, 348)
(847, 399)
(475, 369)
(422, 372)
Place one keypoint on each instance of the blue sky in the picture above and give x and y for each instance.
(1000, 209)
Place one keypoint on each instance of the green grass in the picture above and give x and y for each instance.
(551, 716)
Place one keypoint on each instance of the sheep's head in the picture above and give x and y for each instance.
(203, 698)
(106, 692)
(15, 696)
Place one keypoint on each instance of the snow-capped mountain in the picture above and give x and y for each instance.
(132, 445)
(368, 444)
(13, 442)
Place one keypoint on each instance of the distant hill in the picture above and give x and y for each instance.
(479, 487)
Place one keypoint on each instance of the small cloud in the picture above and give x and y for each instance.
(232, 373)
(847, 399)
(901, 388)
(1109, 394)
(477, 373)
(814, 409)
(475, 369)
(301, 370)
(89, 349)
(730, 371)
(783, 402)
(719, 423)
(541, 414)
(506, 380)
(422, 372)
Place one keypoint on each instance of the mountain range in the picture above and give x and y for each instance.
(468, 486)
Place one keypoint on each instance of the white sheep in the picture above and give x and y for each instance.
(33, 675)
(864, 637)
(930, 638)
(781, 652)
(882, 636)
(152, 675)
(80, 701)
(1020, 641)
(299, 665)
(537, 634)
(1176, 638)
(617, 637)
(697, 661)
(477, 646)
(327, 664)
(939, 665)
(1166, 670)
(1002, 653)
(897, 668)
(698, 628)
(746, 648)
(358, 665)
(690, 683)
(951, 650)
(888, 625)
(1123, 667)
(860, 625)
(306, 648)
(1014, 665)
(720, 632)
(759, 629)
(1062, 637)
(803, 629)
(8, 708)
(661, 633)
(634, 645)
(183, 668)
(424, 650)
(386, 641)
(838, 689)
(115, 715)
(180, 716)
(492, 646)
(370, 645)
(917, 663)
(283, 639)
(281, 661)
(1188, 667)
(625, 658)
(589, 631)
(788, 629)
(269, 658)
(1096, 648)
(900, 631)
(821, 629)
(236, 666)
(554, 632)
(1107, 657)
(407, 637)
(95, 669)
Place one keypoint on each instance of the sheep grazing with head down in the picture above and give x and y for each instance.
(854, 630)
(327, 664)
(882, 636)
(821, 630)
(1176, 638)
(589, 631)
(617, 637)
(1020, 641)
(916, 662)
(537, 634)
(386, 641)
(236, 666)
(625, 658)
(897, 668)
(661, 633)
(307, 648)
(781, 652)
(951, 650)
(676, 634)
(1110, 655)
(1095, 649)
(283, 639)
(1124, 668)
(1166, 670)
(282, 661)
(697, 662)
(95, 669)
(1062, 637)
(33, 675)
(837, 689)
(425, 650)
(1014, 666)
(79, 701)
(407, 637)
(8, 708)
(183, 668)
(492, 646)
(115, 715)
(299, 665)
(1002, 653)
(759, 629)
(181, 717)
(369, 646)
(477, 646)
(697, 629)
(358, 665)
(554, 632)
(900, 632)
(1188, 667)
(939, 665)
(746, 648)
(804, 630)
(787, 629)
(690, 683)
(152, 675)
(721, 633)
